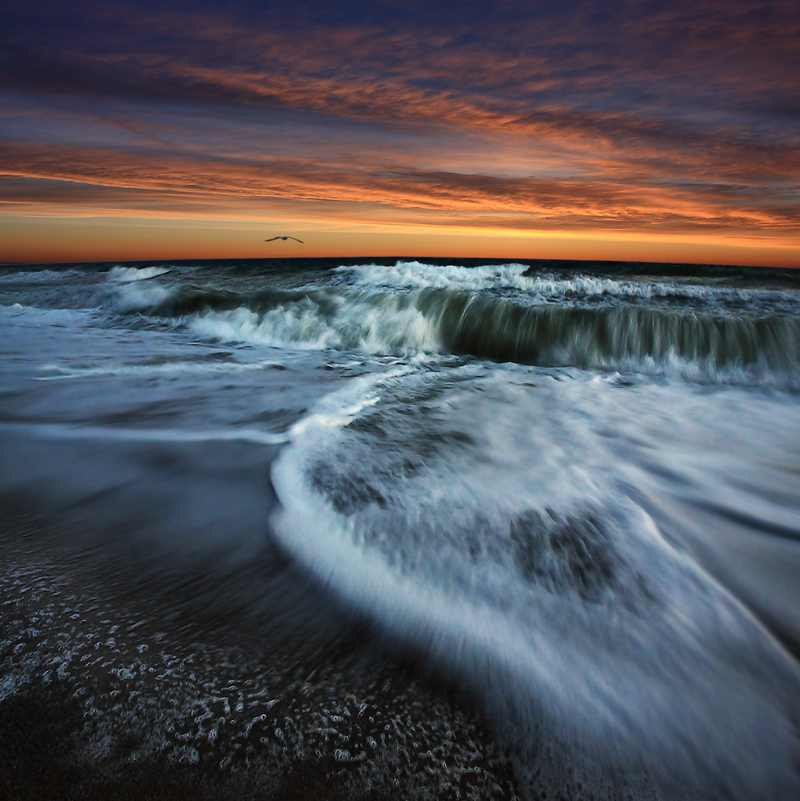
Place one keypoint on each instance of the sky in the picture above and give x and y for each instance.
(577, 129)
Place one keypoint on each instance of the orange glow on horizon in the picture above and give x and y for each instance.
(48, 239)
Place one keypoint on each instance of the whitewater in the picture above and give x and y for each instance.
(551, 510)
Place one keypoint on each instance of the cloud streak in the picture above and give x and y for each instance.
(122, 180)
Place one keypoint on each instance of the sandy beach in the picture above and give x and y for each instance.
(103, 696)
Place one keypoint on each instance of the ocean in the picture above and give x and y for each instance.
(399, 528)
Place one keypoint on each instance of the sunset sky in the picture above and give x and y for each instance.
(660, 131)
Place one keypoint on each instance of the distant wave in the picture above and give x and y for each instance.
(35, 276)
(542, 285)
(127, 274)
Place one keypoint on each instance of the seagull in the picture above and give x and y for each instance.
(284, 238)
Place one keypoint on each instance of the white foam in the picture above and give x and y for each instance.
(391, 326)
(169, 368)
(70, 431)
(663, 669)
(539, 286)
(418, 275)
(293, 325)
(134, 296)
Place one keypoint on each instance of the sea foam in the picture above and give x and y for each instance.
(482, 519)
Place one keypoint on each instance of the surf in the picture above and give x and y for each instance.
(481, 517)
(712, 335)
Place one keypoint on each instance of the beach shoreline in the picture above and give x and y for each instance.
(101, 699)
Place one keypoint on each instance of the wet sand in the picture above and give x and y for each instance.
(103, 695)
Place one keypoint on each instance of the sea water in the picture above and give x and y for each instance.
(574, 493)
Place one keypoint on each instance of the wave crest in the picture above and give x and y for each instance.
(696, 344)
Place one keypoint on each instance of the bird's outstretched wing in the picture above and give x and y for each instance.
(296, 239)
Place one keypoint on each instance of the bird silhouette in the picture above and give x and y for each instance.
(284, 238)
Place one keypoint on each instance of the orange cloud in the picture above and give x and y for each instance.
(152, 182)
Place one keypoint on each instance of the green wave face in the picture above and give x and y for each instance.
(695, 336)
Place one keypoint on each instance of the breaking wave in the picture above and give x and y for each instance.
(718, 339)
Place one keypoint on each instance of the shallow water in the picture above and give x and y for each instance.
(575, 495)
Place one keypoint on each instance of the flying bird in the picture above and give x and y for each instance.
(284, 238)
